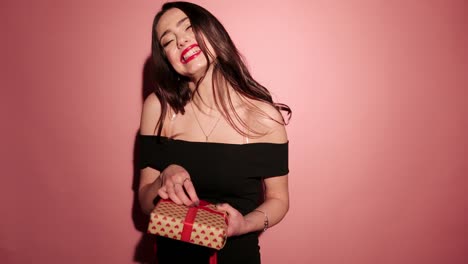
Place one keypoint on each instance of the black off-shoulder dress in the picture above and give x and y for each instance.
(221, 173)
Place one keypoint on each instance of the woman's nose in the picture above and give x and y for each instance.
(182, 41)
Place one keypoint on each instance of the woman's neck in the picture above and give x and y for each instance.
(204, 98)
(204, 92)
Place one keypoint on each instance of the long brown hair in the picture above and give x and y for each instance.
(172, 88)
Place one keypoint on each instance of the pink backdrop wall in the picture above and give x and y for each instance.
(378, 136)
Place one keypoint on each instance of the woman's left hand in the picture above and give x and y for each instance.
(237, 225)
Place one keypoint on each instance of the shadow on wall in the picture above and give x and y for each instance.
(145, 251)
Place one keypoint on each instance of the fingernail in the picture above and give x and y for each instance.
(194, 204)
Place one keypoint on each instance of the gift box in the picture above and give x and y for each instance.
(202, 225)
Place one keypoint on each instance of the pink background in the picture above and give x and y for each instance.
(378, 136)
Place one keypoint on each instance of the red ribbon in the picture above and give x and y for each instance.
(190, 219)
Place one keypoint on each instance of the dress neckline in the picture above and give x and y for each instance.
(175, 140)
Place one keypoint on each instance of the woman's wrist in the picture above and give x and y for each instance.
(257, 220)
(266, 222)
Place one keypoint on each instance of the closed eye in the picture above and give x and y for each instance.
(167, 43)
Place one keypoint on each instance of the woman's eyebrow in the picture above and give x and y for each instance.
(177, 25)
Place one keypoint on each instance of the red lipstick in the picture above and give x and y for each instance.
(193, 55)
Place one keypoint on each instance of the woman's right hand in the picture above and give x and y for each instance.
(176, 184)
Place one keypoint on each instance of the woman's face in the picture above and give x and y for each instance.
(175, 35)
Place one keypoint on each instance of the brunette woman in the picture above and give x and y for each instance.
(210, 131)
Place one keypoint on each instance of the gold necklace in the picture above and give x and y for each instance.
(198, 122)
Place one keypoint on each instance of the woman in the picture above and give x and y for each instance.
(210, 131)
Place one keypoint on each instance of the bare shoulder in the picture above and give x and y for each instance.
(267, 120)
(150, 115)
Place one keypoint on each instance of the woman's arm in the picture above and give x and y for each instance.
(150, 181)
(275, 206)
(174, 181)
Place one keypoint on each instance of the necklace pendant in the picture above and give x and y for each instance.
(198, 122)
